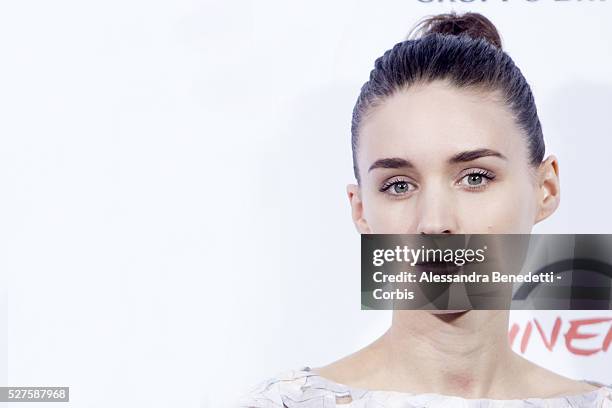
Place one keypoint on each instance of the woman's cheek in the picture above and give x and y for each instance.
(495, 211)
(388, 216)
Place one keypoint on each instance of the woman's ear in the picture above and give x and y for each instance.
(354, 196)
(548, 188)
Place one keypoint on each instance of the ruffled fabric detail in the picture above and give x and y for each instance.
(302, 388)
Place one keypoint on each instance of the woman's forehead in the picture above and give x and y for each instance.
(437, 120)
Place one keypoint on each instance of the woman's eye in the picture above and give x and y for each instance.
(397, 188)
(400, 188)
(476, 180)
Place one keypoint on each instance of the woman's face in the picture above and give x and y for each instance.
(437, 159)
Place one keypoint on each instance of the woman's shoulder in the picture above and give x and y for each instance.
(292, 388)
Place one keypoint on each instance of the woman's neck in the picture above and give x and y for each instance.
(462, 354)
(465, 354)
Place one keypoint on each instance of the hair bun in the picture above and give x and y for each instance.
(474, 25)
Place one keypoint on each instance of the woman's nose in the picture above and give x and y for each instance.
(436, 214)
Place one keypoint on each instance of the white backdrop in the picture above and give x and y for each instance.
(174, 226)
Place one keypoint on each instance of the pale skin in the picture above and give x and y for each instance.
(489, 187)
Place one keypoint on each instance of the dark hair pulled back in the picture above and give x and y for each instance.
(465, 50)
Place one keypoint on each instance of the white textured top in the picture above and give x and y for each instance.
(302, 388)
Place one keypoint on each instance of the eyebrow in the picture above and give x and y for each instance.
(466, 156)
